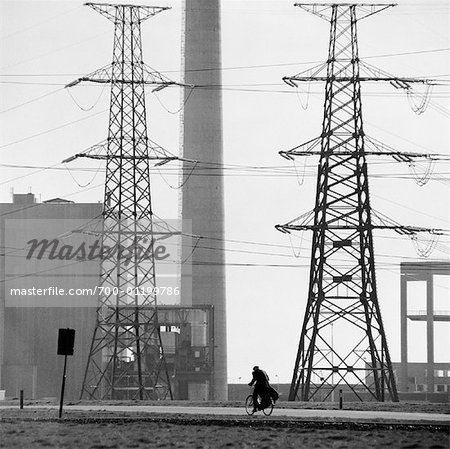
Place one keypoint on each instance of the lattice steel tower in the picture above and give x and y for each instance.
(126, 354)
(343, 339)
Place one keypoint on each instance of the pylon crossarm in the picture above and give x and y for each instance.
(110, 10)
(400, 229)
(159, 151)
(132, 158)
(412, 230)
(152, 76)
(373, 147)
(312, 72)
(305, 149)
(381, 149)
(162, 160)
(301, 222)
(364, 9)
(396, 155)
(166, 231)
(95, 150)
(100, 152)
(397, 82)
(376, 74)
(319, 73)
(161, 226)
(161, 235)
(385, 222)
(144, 75)
(101, 75)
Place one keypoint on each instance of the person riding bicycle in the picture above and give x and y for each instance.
(262, 386)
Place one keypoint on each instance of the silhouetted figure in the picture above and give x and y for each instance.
(261, 381)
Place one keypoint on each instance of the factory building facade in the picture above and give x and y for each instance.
(39, 268)
(29, 320)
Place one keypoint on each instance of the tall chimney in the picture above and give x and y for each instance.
(203, 194)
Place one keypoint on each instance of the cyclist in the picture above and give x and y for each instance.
(262, 387)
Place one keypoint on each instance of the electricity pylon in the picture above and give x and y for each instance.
(126, 357)
(343, 340)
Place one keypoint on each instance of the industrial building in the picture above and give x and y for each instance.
(418, 380)
(430, 376)
(29, 323)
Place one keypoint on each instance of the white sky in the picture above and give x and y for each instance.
(46, 44)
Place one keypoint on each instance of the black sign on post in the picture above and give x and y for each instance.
(66, 339)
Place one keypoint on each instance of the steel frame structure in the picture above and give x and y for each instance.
(342, 284)
(126, 350)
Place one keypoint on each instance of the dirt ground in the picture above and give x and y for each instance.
(411, 407)
(41, 429)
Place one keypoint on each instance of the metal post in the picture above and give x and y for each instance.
(332, 363)
(382, 376)
(403, 332)
(430, 335)
(21, 399)
(63, 386)
(340, 399)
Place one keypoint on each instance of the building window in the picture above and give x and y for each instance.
(421, 387)
(440, 388)
(439, 373)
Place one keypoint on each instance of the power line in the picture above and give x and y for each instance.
(442, 83)
(439, 109)
(41, 169)
(227, 171)
(241, 67)
(235, 264)
(52, 129)
(46, 20)
(53, 51)
(204, 69)
(48, 94)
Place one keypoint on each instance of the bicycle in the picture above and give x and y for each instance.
(266, 404)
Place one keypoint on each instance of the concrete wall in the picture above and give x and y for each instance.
(30, 360)
(29, 332)
(238, 392)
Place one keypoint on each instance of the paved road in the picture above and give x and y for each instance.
(336, 415)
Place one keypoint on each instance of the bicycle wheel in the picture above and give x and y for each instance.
(249, 405)
(269, 409)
